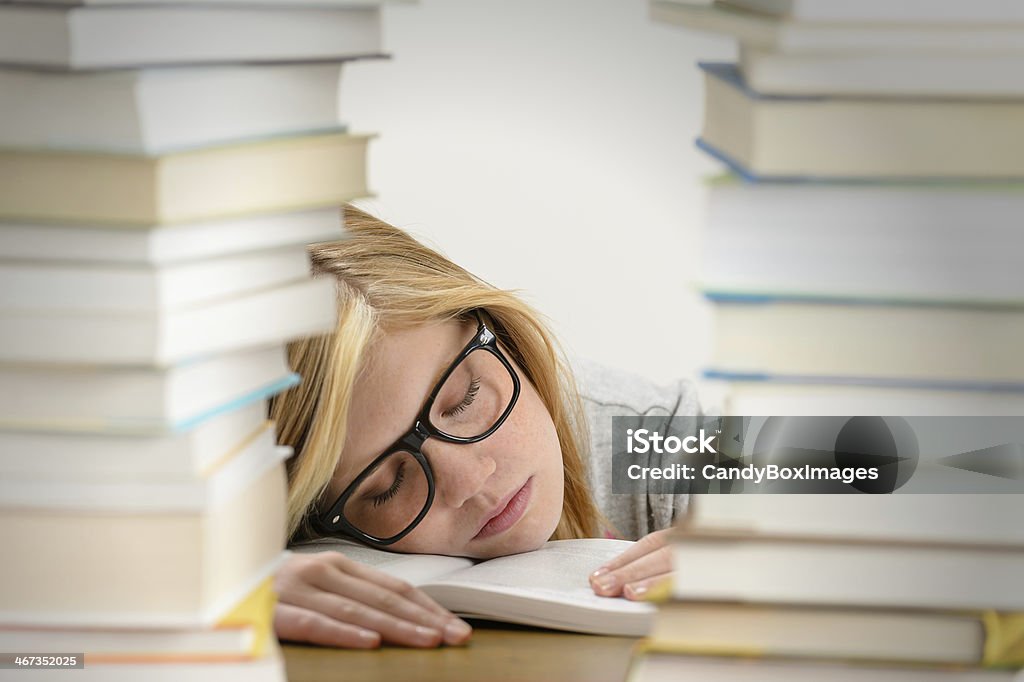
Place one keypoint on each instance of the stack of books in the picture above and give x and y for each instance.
(861, 257)
(162, 168)
(843, 587)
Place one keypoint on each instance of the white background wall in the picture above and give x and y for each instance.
(547, 146)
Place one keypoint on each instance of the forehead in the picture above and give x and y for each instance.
(400, 370)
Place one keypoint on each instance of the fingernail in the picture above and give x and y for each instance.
(598, 573)
(422, 634)
(368, 637)
(430, 636)
(456, 631)
(607, 582)
(637, 591)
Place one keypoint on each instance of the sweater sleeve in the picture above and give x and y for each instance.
(607, 393)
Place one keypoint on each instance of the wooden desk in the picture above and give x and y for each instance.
(494, 654)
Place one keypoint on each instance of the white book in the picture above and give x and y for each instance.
(663, 667)
(784, 35)
(217, 486)
(937, 243)
(239, 636)
(144, 555)
(132, 645)
(225, 3)
(548, 587)
(795, 399)
(800, 138)
(802, 569)
(885, 74)
(164, 338)
(889, 12)
(921, 347)
(117, 288)
(156, 111)
(166, 244)
(267, 668)
(98, 456)
(963, 518)
(81, 38)
(140, 400)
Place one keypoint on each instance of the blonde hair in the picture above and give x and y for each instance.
(387, 280)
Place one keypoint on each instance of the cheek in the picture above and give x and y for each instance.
(531, 435)
(535, 448)
(525, 445)
(538, 435)
(432, 536)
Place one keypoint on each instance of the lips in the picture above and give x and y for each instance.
(507, 513)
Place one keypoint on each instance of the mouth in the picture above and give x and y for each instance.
(508, 513)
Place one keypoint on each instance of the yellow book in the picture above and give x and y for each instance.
(257, 613)
(163, 557)
(278, 174)
(1004, 640)
(870, 635)
(243, 634)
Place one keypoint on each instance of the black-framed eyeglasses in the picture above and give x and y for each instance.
(470, 401)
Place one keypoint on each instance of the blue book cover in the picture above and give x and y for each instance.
(730, 73)
(723, 297)
(261, 393)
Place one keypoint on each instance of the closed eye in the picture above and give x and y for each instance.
(467, 400)
(385, 497)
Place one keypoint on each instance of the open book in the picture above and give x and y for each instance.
(547, 588)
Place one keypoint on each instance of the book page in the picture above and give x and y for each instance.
(557, 572)
(413, 568)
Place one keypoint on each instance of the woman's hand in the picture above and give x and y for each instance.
(633, 573)
(329, 599)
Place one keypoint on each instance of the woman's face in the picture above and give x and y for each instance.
(498, 496)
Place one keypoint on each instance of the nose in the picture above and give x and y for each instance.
(460, 471)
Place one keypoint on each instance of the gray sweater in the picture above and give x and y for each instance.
(606, 393)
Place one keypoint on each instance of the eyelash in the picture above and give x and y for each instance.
(385, 496)
(474, 388)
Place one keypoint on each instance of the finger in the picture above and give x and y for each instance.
(305, 587)
(610, 584)
(393, 599)
(390, 595)
(392, 629)
(302, 625)
(456, 630)
(645, 545)
(647, 588)
(390, 582)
